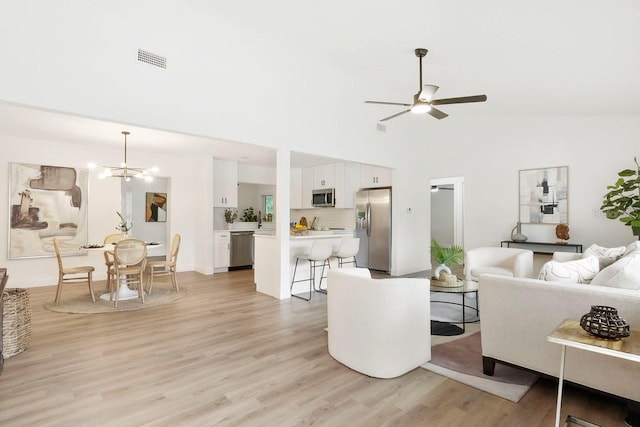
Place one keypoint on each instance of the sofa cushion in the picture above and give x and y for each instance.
(624, 273)
(606, 256)
(478, 271)
(578, 271)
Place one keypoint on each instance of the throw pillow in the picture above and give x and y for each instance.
(633, 248)
(606, 256)
(578, 271)
(624, 273)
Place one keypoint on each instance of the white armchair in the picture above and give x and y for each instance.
(378, 327)
(510, 262)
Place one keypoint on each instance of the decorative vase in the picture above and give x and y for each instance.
(229, 225)
(516, 233)
(439, 269)
(603, 321)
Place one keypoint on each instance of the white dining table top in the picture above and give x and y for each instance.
(111, 246)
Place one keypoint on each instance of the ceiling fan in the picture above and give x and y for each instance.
(423, 101)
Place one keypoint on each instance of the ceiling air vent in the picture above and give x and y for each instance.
(152, 58)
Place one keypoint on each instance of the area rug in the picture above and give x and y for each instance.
(461, 360)
(80, 303)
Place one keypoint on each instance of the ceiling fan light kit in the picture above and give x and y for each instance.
(423, 101)
(125, 171)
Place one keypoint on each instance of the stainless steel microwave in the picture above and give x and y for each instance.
(324, 198)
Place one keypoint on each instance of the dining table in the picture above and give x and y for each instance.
(124, 293)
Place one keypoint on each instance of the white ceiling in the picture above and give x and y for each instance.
(543, 57)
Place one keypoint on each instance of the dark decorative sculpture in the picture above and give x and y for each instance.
(562, 233)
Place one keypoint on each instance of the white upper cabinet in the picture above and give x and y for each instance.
(347, 180)
(307, 187)
(324, 176)
(374, 176)
(296, 188)
(342, 176)
(225, 184)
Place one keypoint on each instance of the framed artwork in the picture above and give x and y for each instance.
(544, 195)
(47, 202)
(156, 209)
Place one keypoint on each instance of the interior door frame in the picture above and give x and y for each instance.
(458, 206)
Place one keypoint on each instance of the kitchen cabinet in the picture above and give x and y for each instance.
(374, 176)
(342, 176)
(225, 184)
(221, 250)
(307, 187)
(347, 178)
(295, 200)
(324, 176)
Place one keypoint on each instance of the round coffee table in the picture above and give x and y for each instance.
(465, 287)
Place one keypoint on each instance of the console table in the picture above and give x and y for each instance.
(570, 334)
(543, 247)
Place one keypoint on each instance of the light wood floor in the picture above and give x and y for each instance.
(226, 355)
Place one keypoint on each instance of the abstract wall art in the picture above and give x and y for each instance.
(544, 195)
(156, 207)
(47, 202)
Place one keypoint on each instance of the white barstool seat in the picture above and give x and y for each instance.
(348, 249)
(320, 251)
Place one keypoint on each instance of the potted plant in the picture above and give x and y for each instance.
(123, 226)
(249, 216)
(623, 199)
(230, 216)
(445, 257)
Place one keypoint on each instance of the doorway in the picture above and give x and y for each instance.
(447, 210)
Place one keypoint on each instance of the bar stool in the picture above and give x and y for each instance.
(320, 251)
(349, 248)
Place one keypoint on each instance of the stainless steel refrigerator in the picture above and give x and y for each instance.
(373, 227)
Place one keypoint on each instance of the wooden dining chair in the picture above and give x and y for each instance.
(130, 260)
(167, 267)
(72, 274)
(108, 257)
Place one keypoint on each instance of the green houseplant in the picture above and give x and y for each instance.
(230, 216)
(445, 257)
(622, 202)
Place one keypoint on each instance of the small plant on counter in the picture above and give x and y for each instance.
(249, 216)
(230, 216)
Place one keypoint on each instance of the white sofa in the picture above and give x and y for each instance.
(495, 260)
(378, 327)
(517, 314)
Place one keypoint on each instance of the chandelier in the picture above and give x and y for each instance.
(124, 170)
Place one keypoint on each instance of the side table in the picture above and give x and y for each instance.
(570, 334)
(465, 287)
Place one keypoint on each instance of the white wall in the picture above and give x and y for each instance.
(104, 200)
(489, 152)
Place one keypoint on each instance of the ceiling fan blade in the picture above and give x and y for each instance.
(427, 92)
(461, 100)
(395, 115)
(387, 103)
(437, 113)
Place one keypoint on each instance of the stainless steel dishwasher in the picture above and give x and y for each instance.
(241, 249)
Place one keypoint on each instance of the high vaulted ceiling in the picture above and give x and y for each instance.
(570, 57)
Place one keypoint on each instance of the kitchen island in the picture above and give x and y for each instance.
(268, 257)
